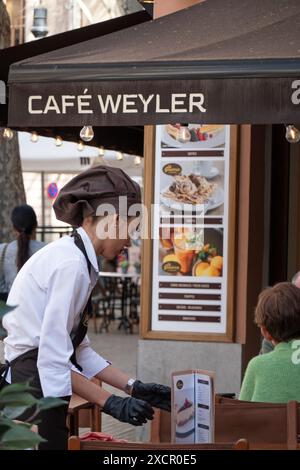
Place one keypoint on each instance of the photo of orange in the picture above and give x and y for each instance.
(189, 251)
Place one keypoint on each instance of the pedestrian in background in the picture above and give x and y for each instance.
(14, 255)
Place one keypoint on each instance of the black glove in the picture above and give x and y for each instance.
(155, 394)
(128, 410)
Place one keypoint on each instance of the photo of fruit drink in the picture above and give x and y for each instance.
(183, 249)
(166, 236)
(185, 258)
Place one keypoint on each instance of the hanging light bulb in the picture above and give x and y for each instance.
(7, 133)
(34, 137)
(80, 146)
(58, 141)
(101, 151)
(137, 160)
(87, 133)
(292, 134)
(119, 155)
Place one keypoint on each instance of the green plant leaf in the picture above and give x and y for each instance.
(12, 412)
(4, 309)
(13, 389)
(20, 437)
(5, 424)
(50, 402)
(17, 399)
(3, 333)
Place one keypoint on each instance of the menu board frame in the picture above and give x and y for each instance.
(147, 249)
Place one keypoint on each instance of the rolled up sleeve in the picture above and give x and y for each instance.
(91, 362)
(66, 294)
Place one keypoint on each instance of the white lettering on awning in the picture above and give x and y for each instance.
(109, 102)
(51, 105)
(176, 102)
(145, 102)
(65, 103)
(128, 100)
(30, 108)
(121, 103)
(196, 101)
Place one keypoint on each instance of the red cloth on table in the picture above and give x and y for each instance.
(100, 436)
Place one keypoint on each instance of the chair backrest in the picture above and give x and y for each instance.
(260, 423)
(76, 444)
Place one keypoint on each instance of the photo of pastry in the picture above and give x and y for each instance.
(196, 187)
(193, 136)
(184, 413)
(188, 251)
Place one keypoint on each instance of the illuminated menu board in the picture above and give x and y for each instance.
(191, 213)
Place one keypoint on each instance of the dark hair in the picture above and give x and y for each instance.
(24, 221)
(278, 310)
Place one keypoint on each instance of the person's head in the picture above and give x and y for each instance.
(110, 235)
(296, 279)
(102, 200)
(278, 312)
(24, 222)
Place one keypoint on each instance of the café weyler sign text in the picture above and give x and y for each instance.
(255, 100)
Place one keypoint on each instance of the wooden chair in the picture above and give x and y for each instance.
(264, 425)
(84, 414)
(76, 417)
(75, 443)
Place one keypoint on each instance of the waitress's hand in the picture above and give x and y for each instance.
(155, 394)
(128, 410)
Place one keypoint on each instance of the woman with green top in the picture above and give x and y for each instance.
(275, 377)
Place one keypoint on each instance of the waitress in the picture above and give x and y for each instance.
(47, 341)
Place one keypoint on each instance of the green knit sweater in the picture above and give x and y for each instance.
(274, 377)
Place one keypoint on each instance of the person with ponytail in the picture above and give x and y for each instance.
(15, 254)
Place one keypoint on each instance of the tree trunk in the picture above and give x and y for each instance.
(11, 180)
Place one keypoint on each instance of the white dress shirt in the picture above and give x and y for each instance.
(50, 292)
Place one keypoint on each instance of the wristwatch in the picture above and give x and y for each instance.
(128, 386)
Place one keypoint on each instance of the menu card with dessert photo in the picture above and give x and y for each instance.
(190, 248)
(192, 413)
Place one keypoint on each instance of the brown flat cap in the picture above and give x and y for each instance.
(98, 185)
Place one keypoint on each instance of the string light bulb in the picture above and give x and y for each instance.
(7, 133)
(80, 146)
(137, 160)
(101, 151)
(58, 141)
(34, 137)
(119, 155)
(87, 133)
(292, 134)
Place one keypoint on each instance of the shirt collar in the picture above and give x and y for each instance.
(90, 250)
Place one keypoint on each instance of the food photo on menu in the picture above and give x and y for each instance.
(193, 136)
(192, 187)
(190, 251)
